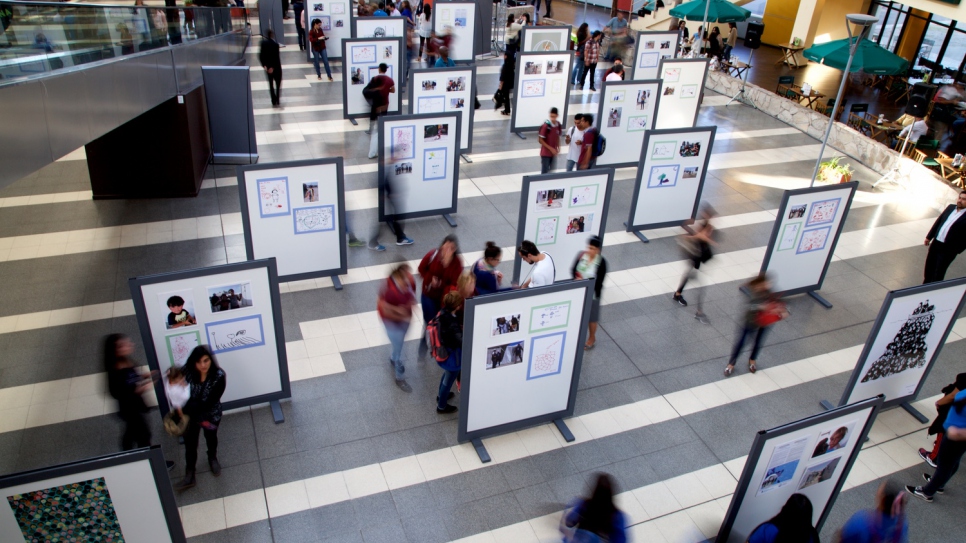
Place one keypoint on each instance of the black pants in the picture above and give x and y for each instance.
(284, 10)
(299, 8)
(505, 99)
(688, 275)
(950, 454)
(136, 431)
(938, 260)
(191, 444)
(746, 333)
(588, 69)
(275, 85)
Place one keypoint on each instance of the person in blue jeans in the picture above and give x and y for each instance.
(759, 296)
(583, 34)
(451, 337)
(395, 306)
(886, 523)
(317, 40)
(951, 452)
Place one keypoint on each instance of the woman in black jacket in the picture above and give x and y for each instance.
(507, 73)
(207, 383)
(126, 385)
(451, 337)
(591, 264)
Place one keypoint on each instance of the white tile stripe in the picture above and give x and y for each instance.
(351, 484)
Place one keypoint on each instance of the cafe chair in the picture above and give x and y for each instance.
(928, 145)
(857, 123)
(910, 146)
(784, 86)
(953, 175)
(921, 158)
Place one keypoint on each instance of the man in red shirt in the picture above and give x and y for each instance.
(549, 139)
(384, 86)
(587, 158)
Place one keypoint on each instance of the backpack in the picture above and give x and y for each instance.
(434, 341)
(600, 143)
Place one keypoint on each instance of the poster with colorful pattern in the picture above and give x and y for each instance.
(81, 512)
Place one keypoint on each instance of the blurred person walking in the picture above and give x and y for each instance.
(440, 271)
(697, 245)
(793, 524)
(595, 517)
(943, 406)
(451, 337)
(762, 311)
(299, 7)
(206, 381)
(392, 191)
(951, 451)
(590, 264)
(886, 523)
(395, 306)
(377, 92)
(583, 34)
(127, 386)
(272, 63)
(507, 74)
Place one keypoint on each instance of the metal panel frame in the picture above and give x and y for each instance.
(472, 68)
(466, 382)
(135, 284)
(477, 31)
(524, 30)
(521, 58)
(640, 39)
(704, 81)
(657, 103)
(346, 43)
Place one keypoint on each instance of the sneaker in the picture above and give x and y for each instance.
(403, 385)
(215, 467)
(379, 248)
(356, 243)
(924, 454)
(926, 477)
(405, 241)
(915, 491)
(452, 409)
(680, 300)
(320, 78)
(702, 318)
(169, 464)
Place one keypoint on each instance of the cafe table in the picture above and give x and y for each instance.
(948, 171)
(736, 69)
(788, 54)
(810, 99)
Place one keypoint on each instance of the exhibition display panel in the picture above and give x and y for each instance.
(910, 331)
(803, 239)
(522, 351)
(419, 164)
(541, 83)
(439, 90)
(673, 166)
(812, 457)
(295, 212)
(682, 91)
(559, 212)
(625, 114)
(384, 27)
(334, 15)
(545, 39)
(235, 310)
(117, 497)
(458, 19)
(651, 49)
(361, 59)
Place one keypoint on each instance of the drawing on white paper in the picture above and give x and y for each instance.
(363, 53)
(401, 142)
(338, 9)
(235, 334)
(273, 197)
(649, 60)
(431, 104)
(583, 195)
(789, 236)
(534, 87)
(549, 317)
(546, 230)
(180, 347)
(663, 176)
(314, 219)
(557, 86)
(813, 240)
(663, 150)
(672, 74)
(546, 355)
(823, 212)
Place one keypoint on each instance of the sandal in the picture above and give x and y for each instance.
(752, 367)
(590, 346)
(729, 370)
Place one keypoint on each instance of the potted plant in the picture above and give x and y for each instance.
(831, 171)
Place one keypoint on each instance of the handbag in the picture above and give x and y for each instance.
(772, 312)
(174, 425)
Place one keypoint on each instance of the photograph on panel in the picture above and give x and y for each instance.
(506, 324)
(614, 117)
(504, 355)
(797, 212)
(532, 68)
(310, 192)
(456, 84)
(435, 132)
(782, 465)
(179, 307)
(429, 85)
(690, 149)
(819, 473)
(834, 439)
(550, 198)
(228, 297)
(578, 224)
(643, 96)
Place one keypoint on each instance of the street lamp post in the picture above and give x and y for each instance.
(863, 22)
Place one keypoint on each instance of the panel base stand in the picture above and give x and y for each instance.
(336, 282)
(354, 123)
(449, 220)
(639, 235)
(564, 431)
(819, 299)
(914, 412)
(277, 411)
(521, 136)
(481, 450)
(827, 405)
(466, 158)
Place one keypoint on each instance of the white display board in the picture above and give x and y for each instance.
(419, 158)
(530, 369)
(545, 39)
(625, 114)
(458, 19)
(131, 490)
(383, 27)
(335, 17)
(295, 212)
(559, 212)
(541, 82)
(651, 49)
(361, 59)
(438, 90)
(812, 457)
(682, 91)
(804, 236)
(673, 166)
(245, 335)
(905, 341)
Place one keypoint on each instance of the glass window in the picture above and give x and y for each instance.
(953, 56)
(756, 7)
(932, 41)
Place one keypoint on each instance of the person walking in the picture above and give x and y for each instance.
(543, 271)
(379, 88)
(127, 386)
(583, 34)
(762, 311)
(440, 270)
(590, 264)
(792, 523)
(595, 517)
(299, 7)
(942, 410)
(272, 63)
(950, 452)
(425, 30)
(549, 138)
(511, 37)
(507, 73)
(575, 142)
(391, 189)
(451, 337)
(616, 30)
(207, 383)
(317, 39)
(885, 523)
(946, 240)
(697, 245)
(591, 56)
(488, 278)
(395, 306)
(587, 158)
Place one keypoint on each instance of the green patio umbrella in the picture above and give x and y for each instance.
(721, 11)
(869, 57)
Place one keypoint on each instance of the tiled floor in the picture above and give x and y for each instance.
(357, 459)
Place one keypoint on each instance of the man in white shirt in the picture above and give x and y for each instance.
(946, 239)
(575, 139)
(543, 271)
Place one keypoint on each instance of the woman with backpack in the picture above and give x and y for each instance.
(451, 338)
(440, 270)
(595, 518)
(395, 306)
(763, 310)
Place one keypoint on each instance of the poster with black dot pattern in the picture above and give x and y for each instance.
(78, 512)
